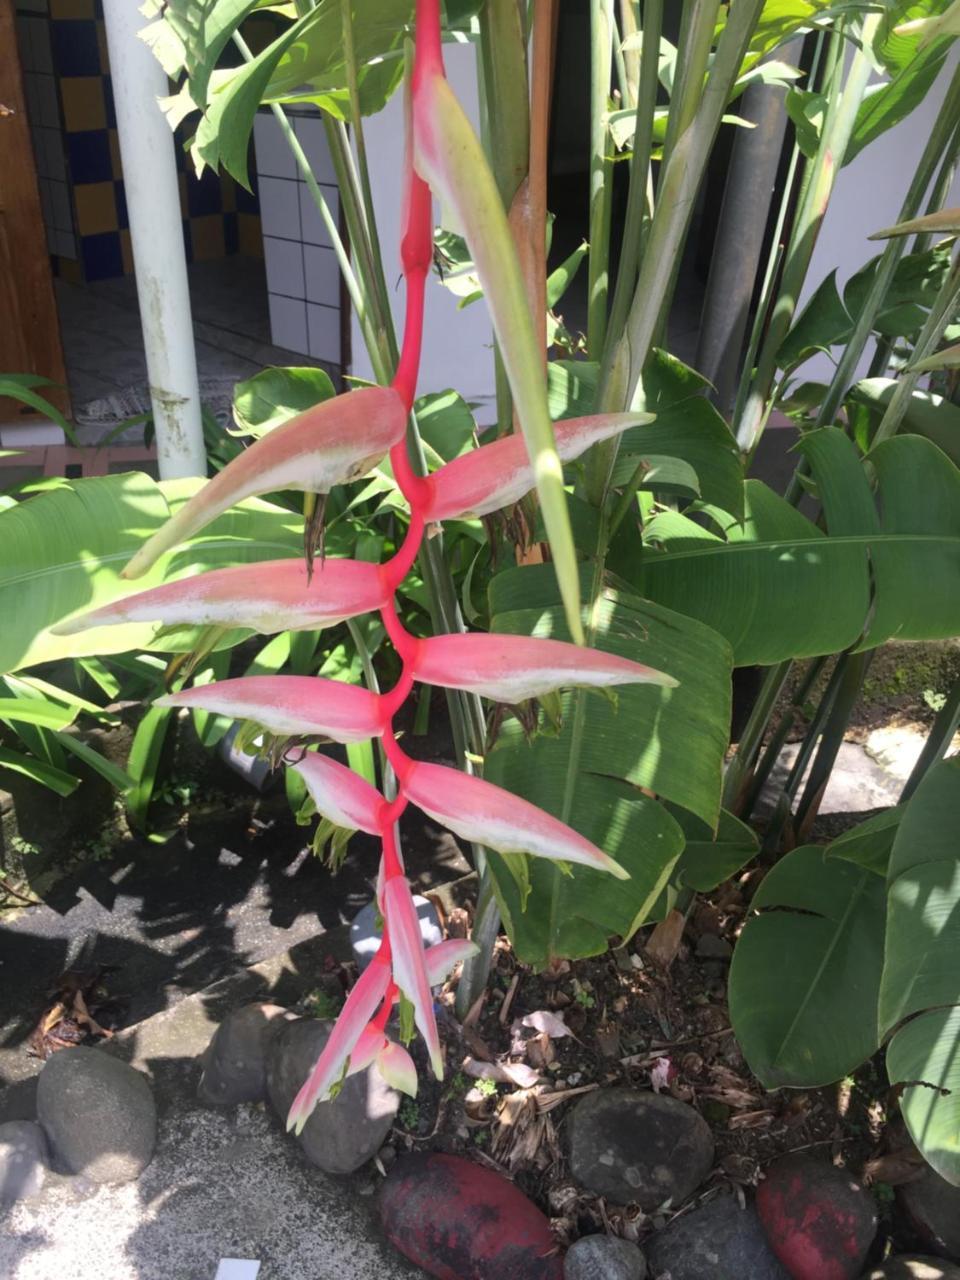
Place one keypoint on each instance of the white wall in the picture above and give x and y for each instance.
(867, 197)
(457, 345)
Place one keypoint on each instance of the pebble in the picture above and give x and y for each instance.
(460, 1221)
(641, 1148)
(365, 933)
(914, 1266)
(234, 1065)
(719, 1240)
(343, 1134)
(23, 1161)
(604, 1258)
(819, 1222)
(98, 1114)
(933, 1206)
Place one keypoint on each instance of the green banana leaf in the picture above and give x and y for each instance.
(928, 414)
(805, 974)
(63, 552)
(591, 772)
(778, 587)
(920, 990)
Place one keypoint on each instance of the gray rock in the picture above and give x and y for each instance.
(933, 1206)
(641, 1148)
(234, 1064)
(343, 1134)
(98, 1114)
(914, 1266)
(23, 1161)
(719, 1240)
(604, 1258)
(365, 933)
(710, 947)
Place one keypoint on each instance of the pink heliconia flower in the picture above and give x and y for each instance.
(361, 1004)
(483, 813)
(440, 958)
(513, 668)
(409, 969)
(340, 794)
(332, 443)
(269, 596)
(500, 473)
(372, 1039)
(287, 705)
(397, 1068)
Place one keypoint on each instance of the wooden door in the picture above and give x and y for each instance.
(29, 327)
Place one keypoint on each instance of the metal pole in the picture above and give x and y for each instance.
(739, 241)
(156, 233)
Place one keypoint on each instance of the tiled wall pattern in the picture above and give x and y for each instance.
(303, 278)
(63, 50)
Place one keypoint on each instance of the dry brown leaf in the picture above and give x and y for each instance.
(664, 943)
(539, 1051)
(608, 1039)
(751, 1120)
(517, 1073)
(894, 1168)
(548, 1023)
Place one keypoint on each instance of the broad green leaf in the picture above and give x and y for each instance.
(559, 280)
(449, 156)
(778, 587)
(116, 776)
(49, 715)
(63, 552)
(806, 971)
(709, 858)
(644, 739)
(143, 763)
(920, 991)
(64, 784)
(806, 109)
(275, 395)
(913, 290)
(446, 423)
(869, 843)
(823, 322)
(927, 414)
(22, 387)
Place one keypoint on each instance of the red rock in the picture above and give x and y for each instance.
(460, 1221)
(819, 1222)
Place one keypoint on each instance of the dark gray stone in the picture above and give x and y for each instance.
(343, 1134)
(98, 1114)
(604, 1258)
(914, 1266)
(719, 1240)
(235, 1064)
(23, 1161)
(365, 934)
(933, 1206)
(641, 1148)
(710, 947)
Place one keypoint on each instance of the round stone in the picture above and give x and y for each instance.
(459, 1221)
(641, 1148)
(98, 1114)
(819, 1222)
(604, 1258)
(343, 1134)
(23, 1160)
(366, 931)
(234, 1063)
(914, 1266)
(933, 1206)
(719, 1240)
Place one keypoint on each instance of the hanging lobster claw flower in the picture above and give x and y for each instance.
(409, 970)
(486, 814)
(440, 958)
(397, 1068)
(361, 1004)
(498, 474)
(513, 668)
(269, 596)
(332, 443)
(289, 705)
(372, 1040)
(340, 794)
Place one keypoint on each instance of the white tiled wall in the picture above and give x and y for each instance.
(303, 279)
(43, 110)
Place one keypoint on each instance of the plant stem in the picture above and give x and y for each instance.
(831, 740)
(775, 745)
(752, 735)
(938, 741)
(601, 166)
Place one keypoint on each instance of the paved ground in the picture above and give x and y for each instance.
(223, 1183)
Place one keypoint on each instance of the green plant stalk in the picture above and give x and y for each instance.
(679, 182)
(831, 739)
(598, 263)
(841, 115)
(938, 741)
(693, 54)
(941, 188)
(773, 748)
(629, 26)
(637, 216)
(752, 735)
(619, 61)
(942, 313)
